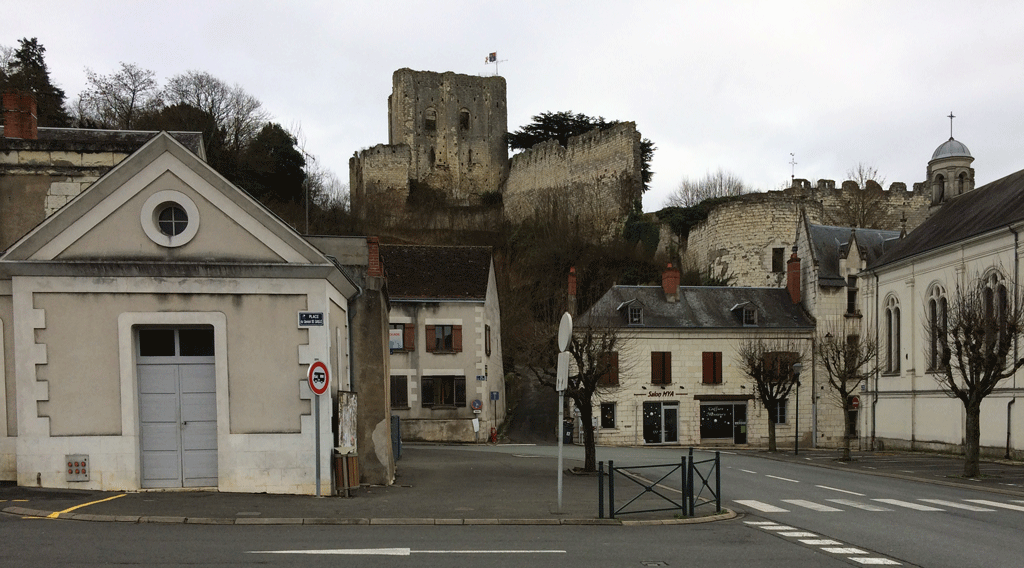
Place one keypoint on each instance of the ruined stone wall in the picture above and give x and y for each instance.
(600, 173)
(454, 126)
(739, 238)
(379, 176)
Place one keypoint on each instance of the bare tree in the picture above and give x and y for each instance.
(975, 338)
(863, 208)
(714, 184)
(238, 113)
(118, 99)
(596, 367)
(769, 365)
(6, 57)
(848, 361)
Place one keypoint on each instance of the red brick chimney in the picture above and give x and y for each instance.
(793, 277)
(670, 283)
(374, 267)
(572, 291)
(20, 116)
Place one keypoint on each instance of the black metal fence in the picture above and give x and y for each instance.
(708, 471)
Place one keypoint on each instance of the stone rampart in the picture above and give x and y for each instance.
(377, 176)
(599, 172)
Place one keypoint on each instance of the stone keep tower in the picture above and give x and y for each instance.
(454, 126)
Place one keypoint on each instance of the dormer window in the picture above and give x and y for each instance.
(636, 315)
(749, 315)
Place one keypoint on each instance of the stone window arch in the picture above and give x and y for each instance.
(938, 189)
(464, 119)
(961, 183)
(430, 120)
(892, 334)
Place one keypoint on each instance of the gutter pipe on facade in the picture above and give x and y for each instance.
(874, 399)
(1016, 338)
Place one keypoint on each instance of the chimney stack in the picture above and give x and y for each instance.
(20, 116)
(374, 267)
(572, 291)
(670, 283)
(793, 277)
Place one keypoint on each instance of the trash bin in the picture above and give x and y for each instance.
(567, 432)
(346, 472)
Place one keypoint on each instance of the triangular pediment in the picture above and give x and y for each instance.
(164, 204)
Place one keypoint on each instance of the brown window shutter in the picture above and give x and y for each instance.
(666, 368)
(718, 367)
(709, 367)
(431, 340)
(457, 338)
(657, 368)
(409, 337)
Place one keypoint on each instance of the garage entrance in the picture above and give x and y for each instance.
(177, 406)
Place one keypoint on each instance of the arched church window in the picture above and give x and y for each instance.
(938, 189)
(892, 340)
(937, 326)
(961, 183)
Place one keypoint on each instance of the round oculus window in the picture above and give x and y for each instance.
(170, 218)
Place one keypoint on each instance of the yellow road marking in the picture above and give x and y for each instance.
(56, 514)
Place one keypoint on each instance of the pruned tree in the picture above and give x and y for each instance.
(563, 125)
(595, 367)
(768, 363)
(714, 184)
(848, 360)
(119, 99)
(975, 335)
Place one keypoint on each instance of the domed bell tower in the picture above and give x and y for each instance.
(949, 171)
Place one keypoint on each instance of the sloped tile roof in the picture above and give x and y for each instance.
(419, 272)
(832, 244)
(989, 207)
(96, 140)
(699, 307)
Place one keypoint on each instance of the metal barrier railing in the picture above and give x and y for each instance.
(689, 469)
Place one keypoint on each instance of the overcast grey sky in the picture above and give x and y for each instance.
(736, 85)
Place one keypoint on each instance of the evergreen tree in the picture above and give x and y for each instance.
(27, 72)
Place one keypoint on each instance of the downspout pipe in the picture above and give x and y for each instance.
(874, 399)
(1016, 338)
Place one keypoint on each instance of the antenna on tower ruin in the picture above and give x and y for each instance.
(792, 162)
(493, 58)
(951, 117)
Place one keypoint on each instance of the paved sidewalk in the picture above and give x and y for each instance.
(434, 485)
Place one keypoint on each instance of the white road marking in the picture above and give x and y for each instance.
(399, 551)
(996, 504)
(779, 528)
(876, 561)
(756, 523)
(783, 478)
(859, 505)
(844, 550)
(763, 507)
(907, 504)
(840, 490)
(955, 505)
(821, 542)
(799, 534)
(812, 505)
(748, 471)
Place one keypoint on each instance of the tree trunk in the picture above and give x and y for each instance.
(589, 442)
(972, 441)
(772, 446)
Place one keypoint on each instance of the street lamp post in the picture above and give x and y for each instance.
(797, 367)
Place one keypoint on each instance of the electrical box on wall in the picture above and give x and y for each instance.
(77, 467)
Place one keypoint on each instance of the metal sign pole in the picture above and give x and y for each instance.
(561, 435)
(316, 403)
(561, 383)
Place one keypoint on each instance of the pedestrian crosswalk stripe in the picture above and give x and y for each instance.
(763, 507)
(866, 560)
(996, 504)
(956, 505)
(760, 522)
(811, 505)
(859, 505)
(799, 534)
(821, 542)
(907, 504)
(844, 550)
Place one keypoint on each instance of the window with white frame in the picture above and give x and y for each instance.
(937, 316)
(892, 341)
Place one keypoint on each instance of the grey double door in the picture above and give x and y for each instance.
(177, 407)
